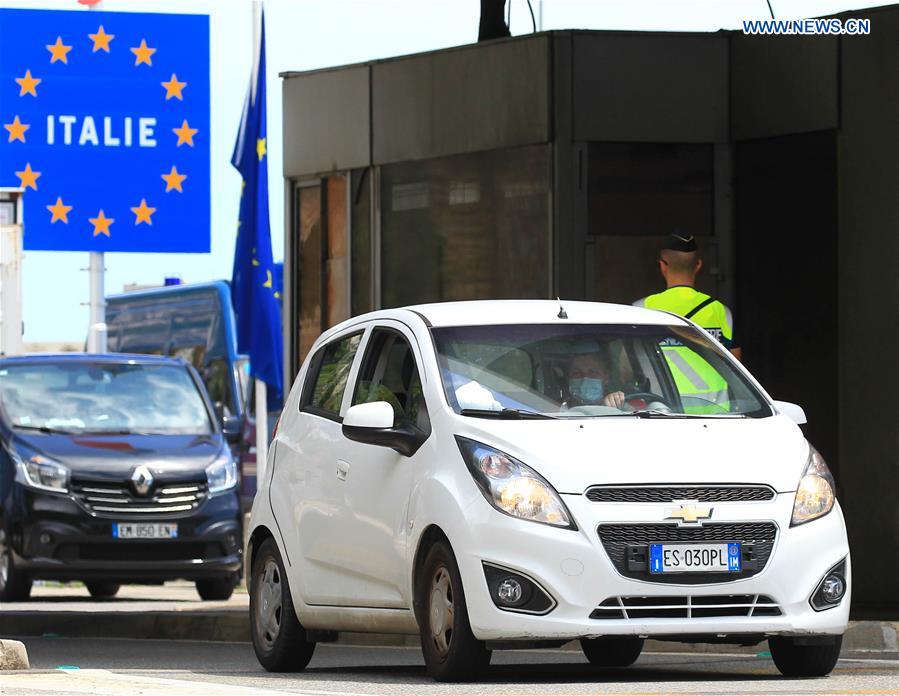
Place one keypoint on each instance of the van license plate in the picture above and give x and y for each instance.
(144, 530)
(695, 558)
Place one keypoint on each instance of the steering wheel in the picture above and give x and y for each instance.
(647, 398)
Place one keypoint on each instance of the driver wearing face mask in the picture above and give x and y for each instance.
(588, 381)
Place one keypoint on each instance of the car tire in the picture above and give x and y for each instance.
(102, 590)
(804, 660)
(216, 589)
(612, 652)
(14, 585)
(451, 652)
(279, 638)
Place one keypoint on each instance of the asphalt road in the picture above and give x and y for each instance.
(102, 666)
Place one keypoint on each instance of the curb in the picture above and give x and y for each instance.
(232, 626)
(13, 655)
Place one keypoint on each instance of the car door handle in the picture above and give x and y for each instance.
(342, 470)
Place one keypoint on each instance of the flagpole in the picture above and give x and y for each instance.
(261, 389)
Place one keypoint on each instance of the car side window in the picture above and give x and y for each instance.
(389, 373)
(328, 373)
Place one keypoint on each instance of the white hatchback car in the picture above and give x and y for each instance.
(505, 474)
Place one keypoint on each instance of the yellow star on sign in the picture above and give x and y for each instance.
(142, 53)
(101, 39)
(59, 51)
(143, 212)
(185, 134)
(60, 211)
(173, 180)
(101, 224)
(16, 130)
(260, 148)
(27, 84)
(28, 177)
(268, 279)
(173, 88)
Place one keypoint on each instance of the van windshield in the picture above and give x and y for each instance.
(85, 397)
(591, 370)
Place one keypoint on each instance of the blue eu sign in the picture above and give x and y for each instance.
(105, 125)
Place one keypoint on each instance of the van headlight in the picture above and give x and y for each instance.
(513, 487)
(222, 474)
(40, 473)
(815, 494)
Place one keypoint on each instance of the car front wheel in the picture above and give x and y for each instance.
(216, 589)
(102, 590)
(279, 638)
(450, 650)
(612, 652)
(804, 660)
(14, 586)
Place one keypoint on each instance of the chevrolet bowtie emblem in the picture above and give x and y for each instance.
(689, 512)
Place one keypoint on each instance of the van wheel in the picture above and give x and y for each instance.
(614, 652)
(279, 638)
(102, 590)
(451, 652)
(14, 586)
(216, 589)
(804, 660)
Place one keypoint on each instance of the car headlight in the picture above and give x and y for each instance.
(40, 473)
(513, 487)
(222, 474)
(815, 494)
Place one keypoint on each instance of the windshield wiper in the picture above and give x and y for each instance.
(656, 413)
(45, 429)
(506, 414)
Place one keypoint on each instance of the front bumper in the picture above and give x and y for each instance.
(54, 538)
(574, 568)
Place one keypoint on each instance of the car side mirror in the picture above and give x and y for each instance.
(231, 428)
(792, 411)
(373, 424)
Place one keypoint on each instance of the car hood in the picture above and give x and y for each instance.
(575, 454)
(115, 456)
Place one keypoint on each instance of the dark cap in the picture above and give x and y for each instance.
(677, 242)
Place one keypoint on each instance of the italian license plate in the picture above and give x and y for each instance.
(144, 530)
(695, 558)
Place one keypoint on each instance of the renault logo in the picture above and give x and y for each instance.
(141, 479)
(689, 512)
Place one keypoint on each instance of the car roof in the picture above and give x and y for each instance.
(108, 358)
(487, 312)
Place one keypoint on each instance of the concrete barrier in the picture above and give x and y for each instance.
(13, 655)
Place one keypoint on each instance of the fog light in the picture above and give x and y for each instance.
(46, 539)
(833, 588)
(509, 591)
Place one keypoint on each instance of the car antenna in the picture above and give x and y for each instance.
(562, 313)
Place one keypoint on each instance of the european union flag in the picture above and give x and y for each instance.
(253, 287)
(104, 123)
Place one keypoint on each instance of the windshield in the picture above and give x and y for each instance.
(87, 397)
(593, 370)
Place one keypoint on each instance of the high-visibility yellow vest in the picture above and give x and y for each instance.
(693, 376)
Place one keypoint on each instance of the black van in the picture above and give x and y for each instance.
(113, 469)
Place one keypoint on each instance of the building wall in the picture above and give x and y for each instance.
(635, 87)
(869, 305)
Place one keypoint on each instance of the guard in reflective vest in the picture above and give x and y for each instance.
(679, 262)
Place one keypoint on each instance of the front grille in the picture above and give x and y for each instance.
(686, 607)
(140, 551)
(667, 494)
(117, 499)
(628, 547)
